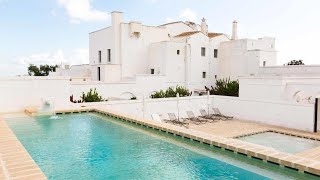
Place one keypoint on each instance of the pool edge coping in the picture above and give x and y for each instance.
(16, 162)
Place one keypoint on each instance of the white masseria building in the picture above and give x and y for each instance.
(183, 53)
(134, 60)
(142, 59)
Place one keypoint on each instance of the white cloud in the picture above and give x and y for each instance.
(184, 15)
(188, 14)
(76, 56)
(81, 10)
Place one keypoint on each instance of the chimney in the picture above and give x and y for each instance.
(234, 30)
(204, 26)
(116, 18)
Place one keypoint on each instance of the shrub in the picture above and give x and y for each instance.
(295, 62)
(183, 91)
(171, 92)
(159, 94)
(225, 87)
(91, 96)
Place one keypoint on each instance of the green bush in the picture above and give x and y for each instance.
(91, 96)
(159, 94)
(171, 92)
(225, 87)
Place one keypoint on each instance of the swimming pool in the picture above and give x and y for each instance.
(282, 142)
(92, 146)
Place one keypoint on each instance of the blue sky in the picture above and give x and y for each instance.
(54, 31)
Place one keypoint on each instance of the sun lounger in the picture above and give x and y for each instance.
(217, 113)
(174, 120)
(156, 117)
(194, 119)
(211, 118)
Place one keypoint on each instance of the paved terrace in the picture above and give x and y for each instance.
(15, 161)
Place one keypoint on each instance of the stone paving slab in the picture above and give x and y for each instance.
(15, 161)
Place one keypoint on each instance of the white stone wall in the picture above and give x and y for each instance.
(76, 71)
(134, 49)
(214, 62)
(143, 85)
(296, 70)
(301, 89)
(262, 88)
(279, 113)
(163, 58)
(101, 41)
(244, 56)
(199, 63)
(18, 93)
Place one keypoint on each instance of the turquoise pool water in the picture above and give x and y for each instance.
(92, 146)
(282, 142)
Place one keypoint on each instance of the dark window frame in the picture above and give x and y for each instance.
(109, 55)
(100, 56)
(203, 51)
(152, 71)
(99, 73)
(178, 52)
(215, 53)
(204, 75)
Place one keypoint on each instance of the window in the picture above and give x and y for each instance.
(203, 51)
(152, 71)
(109, 55)
(215, 76)
(99, 75)
(99, 54)
(264, 63)
(204, 75)
(215, 53)
(178, 52)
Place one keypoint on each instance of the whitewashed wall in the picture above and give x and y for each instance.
(291, 115)
(134, 50)
(279, 113)
(279, 88)
(143, 85)
(303, 70)
(263, 88)
(83, 70)
(242, 57)
(18, 93)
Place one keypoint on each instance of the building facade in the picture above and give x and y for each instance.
(183, 53)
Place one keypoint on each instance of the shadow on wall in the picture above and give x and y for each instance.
(303, 97)
(128, 95)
